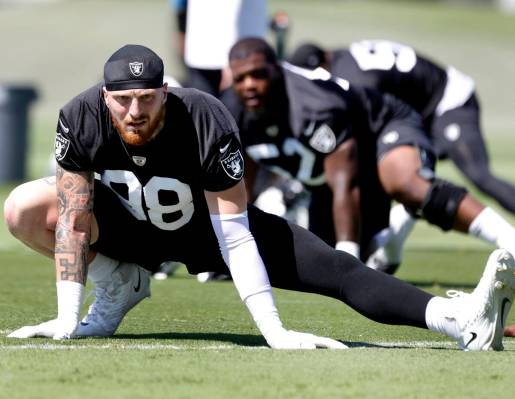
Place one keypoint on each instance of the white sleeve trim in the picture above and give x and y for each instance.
(240, 253)
(248, 272)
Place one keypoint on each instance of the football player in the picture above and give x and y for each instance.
(145, 176)
(299, 122)
(445, 98)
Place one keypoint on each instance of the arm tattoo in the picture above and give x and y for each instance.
(73, 230)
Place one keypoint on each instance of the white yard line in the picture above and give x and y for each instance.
(121, 346)
(398, 345)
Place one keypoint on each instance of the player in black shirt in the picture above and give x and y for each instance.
(169, 186)
(297, 122)
(444, 96)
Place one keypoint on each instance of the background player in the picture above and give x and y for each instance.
(446, 99)
(298, 122)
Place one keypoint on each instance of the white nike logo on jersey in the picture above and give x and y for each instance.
(65, 129)
(223, 149)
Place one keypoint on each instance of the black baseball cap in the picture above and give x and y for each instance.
(133, 67)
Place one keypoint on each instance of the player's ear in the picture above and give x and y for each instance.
(165, 90)
(106, 97)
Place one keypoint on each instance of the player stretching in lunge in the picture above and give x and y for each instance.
(445, 98)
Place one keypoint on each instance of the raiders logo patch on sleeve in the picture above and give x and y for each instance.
(61, 146)
(323, 140)
(232, 164)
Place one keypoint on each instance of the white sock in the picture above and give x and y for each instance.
(350, 247)
(101, 267)
(493, 228)
(439, 317)
(401, 222)
(390, 241)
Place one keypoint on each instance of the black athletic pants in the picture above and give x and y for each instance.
(298, 260)
(457, 135)
(295, 259)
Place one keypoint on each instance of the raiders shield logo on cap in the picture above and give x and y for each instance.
(233, 165)
(61, 146)
(136, 68)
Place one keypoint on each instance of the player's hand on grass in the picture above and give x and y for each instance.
(70, 296)
(46, 329)
(55, 329)
(281, 338)
(65, 329)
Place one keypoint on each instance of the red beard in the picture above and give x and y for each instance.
(136, 137)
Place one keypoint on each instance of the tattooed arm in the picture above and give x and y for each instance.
(72, 238)
(73, 230)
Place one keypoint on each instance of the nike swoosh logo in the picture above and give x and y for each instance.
(138, 286)
(505, 301)
(65, 129)
(223, 149)
(83, 324)
(474, 336)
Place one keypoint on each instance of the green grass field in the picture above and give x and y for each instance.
(197, 341)
(192, 340)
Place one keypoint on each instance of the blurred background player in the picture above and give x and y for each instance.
(300, 122)
(280, 25)
(179, 12)
(446, 99)
(211, 29)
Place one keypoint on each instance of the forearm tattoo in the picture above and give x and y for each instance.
(73, 229)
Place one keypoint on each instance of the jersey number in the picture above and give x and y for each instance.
(383, 55)
(290, 147)
(166, 217)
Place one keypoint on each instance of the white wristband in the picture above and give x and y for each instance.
(350, 247)
(262, 308)
(69, 301)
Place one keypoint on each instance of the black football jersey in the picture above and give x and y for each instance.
(320, 113)
(162, 182)
(392, 68)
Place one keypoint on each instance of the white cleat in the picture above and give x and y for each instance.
(386, 247)
(205, 277)
(124, 288)
(166, 269)
(481, 315)
(385, 252)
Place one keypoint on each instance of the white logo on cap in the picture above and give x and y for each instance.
(391, 137)
(136, 68)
